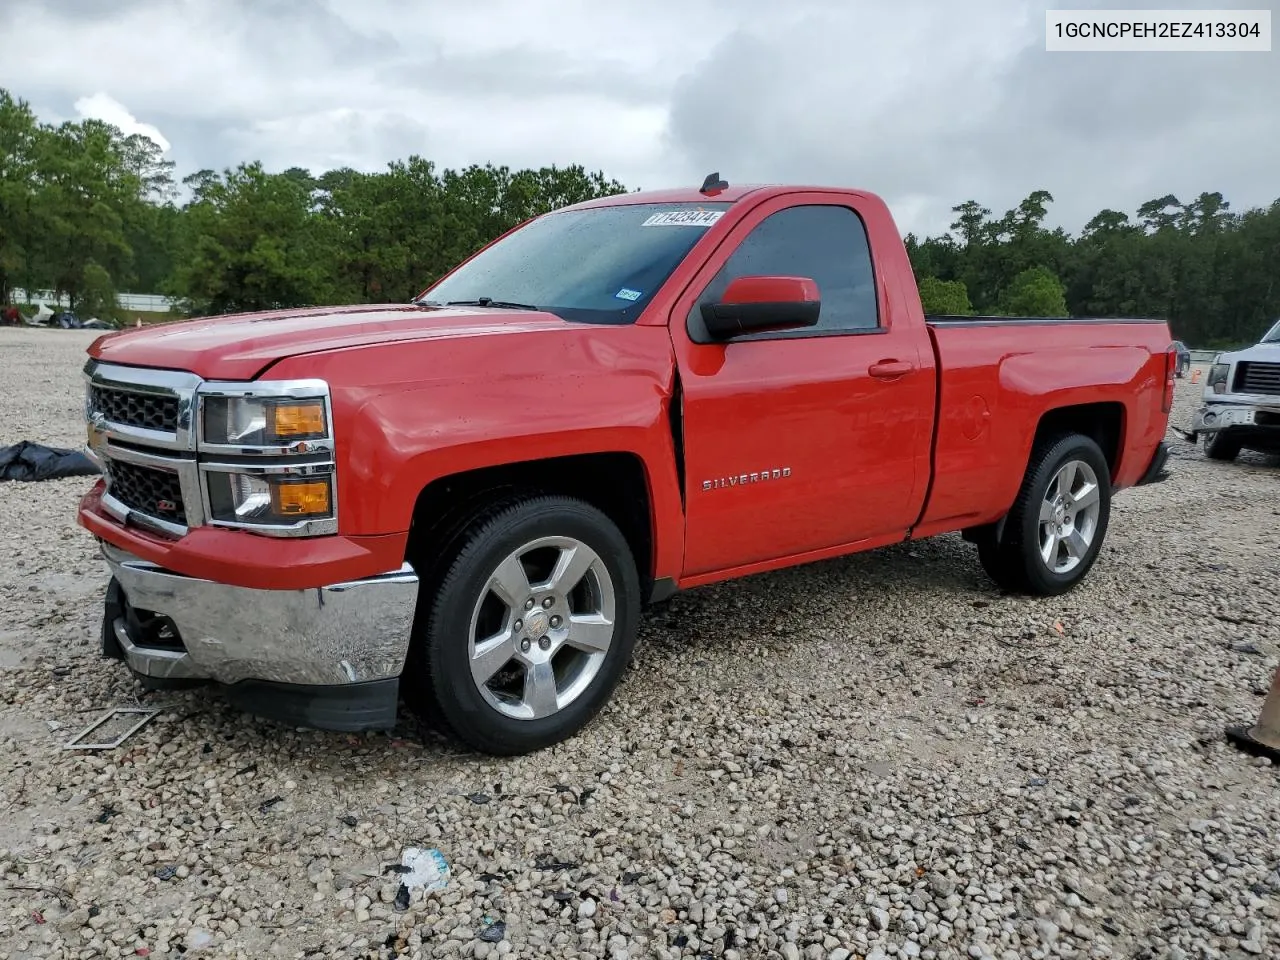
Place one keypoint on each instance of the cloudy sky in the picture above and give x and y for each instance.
(927, 102)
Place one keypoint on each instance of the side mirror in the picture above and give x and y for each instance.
(756, 304)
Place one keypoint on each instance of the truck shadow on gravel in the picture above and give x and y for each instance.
(785, 603)
(703, 632)
(882, 612)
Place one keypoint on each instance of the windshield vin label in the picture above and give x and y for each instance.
(684, 218)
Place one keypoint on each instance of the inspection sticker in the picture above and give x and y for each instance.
(684, 218)
(626, 293)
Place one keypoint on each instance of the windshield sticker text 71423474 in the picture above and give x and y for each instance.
(684, 218)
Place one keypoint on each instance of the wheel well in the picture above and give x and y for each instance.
(1102, 422)
(614, 483)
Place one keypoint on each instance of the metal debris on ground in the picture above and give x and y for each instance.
(198, 939)
(428, 870)
(545, 861)
(143, 713)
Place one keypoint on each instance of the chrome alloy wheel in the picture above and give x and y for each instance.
(542, 627)
(1069, 516)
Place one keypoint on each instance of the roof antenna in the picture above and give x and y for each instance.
(713, 184)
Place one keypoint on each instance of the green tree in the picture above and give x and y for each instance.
(1035, 292)
(87, 210)
(85, 190)
(22, 218)
(249, 243)
(98, 296)
(944, 297)
(970, 223)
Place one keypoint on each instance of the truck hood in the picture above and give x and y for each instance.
(1258, 353)
(242, 346)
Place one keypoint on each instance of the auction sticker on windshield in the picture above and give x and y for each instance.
(684, 218)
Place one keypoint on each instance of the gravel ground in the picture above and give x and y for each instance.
(874, 757)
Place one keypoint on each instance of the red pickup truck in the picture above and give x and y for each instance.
(467, 500)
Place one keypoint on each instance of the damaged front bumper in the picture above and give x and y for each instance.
(328, 657)
(1249, 417)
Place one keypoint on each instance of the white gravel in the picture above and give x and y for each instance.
(875, 757)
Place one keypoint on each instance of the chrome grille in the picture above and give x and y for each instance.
(1258, 378)
(143, 427)
(148, 411)
(157, 493)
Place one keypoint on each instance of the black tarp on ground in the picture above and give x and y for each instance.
(34, 461)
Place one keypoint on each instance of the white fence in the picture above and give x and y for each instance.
(151, 302)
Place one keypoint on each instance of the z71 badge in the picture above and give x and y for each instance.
(742, 479)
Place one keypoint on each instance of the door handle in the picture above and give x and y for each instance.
(890, 369)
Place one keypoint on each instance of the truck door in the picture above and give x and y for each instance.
(801, 441)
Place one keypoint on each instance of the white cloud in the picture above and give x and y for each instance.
(101, 106)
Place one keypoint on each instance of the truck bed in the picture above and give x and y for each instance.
(994, 389)
(990, 321)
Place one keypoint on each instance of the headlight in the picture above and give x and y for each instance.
(271, 500)
(265, 453)
(259, 422)
(1217, 379)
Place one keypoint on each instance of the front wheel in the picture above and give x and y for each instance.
(1220, 446)
(1056, 527)
(532, 625)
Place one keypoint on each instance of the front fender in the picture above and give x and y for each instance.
(408, 414)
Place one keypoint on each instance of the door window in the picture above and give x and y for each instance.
(826, 243)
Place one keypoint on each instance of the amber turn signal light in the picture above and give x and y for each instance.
(304, 419)
(300, 499)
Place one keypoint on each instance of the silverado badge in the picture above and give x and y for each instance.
(742, 479)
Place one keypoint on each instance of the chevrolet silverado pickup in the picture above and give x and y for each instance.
(1241, 406)
(466, 501)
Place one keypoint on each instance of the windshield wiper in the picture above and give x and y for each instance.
(490, 302)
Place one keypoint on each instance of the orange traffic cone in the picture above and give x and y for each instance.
(1263, 738)
(1195, 376)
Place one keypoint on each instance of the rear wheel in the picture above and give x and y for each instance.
(1054, 531)
(1220, 446)
(532, 625)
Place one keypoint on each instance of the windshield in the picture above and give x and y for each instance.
(1272, 335)
(599, 265)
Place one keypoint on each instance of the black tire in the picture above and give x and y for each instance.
(1221, 446)
(112, 609)
(1014, 561)
(443, 664)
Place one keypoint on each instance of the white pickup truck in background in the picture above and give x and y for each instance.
(1242, 401)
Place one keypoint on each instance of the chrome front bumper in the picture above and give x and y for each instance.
(345, 633)
(1215, 416)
